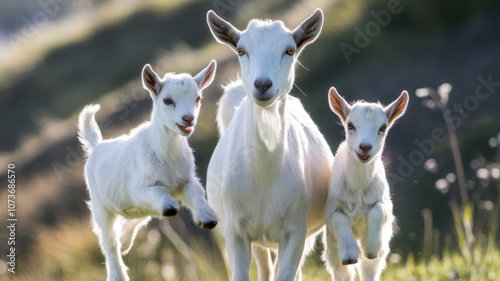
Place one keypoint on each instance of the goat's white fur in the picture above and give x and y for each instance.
(358, 212)
(144, 173)
(234, 93)
(268, 176)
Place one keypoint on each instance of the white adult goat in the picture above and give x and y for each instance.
(142, 174)
(359, 206)
(268, 176)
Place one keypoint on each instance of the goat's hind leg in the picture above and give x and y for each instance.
(129, 228)
(264, 263)
(103, 224)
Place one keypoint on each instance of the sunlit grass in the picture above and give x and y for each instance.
(68, 252)
(163, 252)
(451, 267)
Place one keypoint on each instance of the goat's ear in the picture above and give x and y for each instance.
(338, 104)
(206, 76)
(222, 30)
(309, 30)
(397, 108)
(150, 80)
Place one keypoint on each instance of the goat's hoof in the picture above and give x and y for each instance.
(371, 256)
(349, 261)
(170, 212)
(208, 225)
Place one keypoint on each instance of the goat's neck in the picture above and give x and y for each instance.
(265, 141)
(166, 144)
(266, 127)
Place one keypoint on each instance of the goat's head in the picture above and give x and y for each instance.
(267, 52)
(177, 97)
(366, 124)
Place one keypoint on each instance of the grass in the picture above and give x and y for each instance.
(451, 267)
(163, 252)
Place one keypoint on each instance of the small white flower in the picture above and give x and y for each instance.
(450, 177)
(431, 165)
(483, 173)
(442, 185)
(444, 92)
(422, 92)
(495, 173)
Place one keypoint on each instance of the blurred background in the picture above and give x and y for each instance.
(58, 55)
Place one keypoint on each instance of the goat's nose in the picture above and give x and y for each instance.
(188, 118)
(365, 147)
(262, 84)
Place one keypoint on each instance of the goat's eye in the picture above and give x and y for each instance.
(167, 101)
(383, 128)
(290, 51)
(198, 99)
(350, 126)
(240, 51)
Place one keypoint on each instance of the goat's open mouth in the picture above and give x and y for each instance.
(185, 129)
(363, 157)
(264, 98)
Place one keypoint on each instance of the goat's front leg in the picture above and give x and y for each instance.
(239, 253)
(291, 249)
(341, 228)
(372, 241)
(194, 196)
(157, 199)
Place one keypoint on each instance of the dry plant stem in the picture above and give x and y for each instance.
(459, 228)
(455, 149)
(466, 220)
(427, 215)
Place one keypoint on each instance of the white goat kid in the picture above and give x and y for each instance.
(359, 208)
(142, 174)
(268, 176)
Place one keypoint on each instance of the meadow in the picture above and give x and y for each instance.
(442, 158)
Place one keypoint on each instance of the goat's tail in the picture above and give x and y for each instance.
(89, 133)
(233, 95)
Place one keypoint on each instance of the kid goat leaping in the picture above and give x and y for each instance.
(142, 174)
(359, 209)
